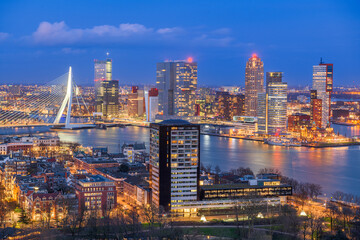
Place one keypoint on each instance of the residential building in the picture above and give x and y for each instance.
(323, 84)
(91, 163)
(177, 83)
(229, 105)
(316, 112)
(96, 194)
(136, 102)
(174, 162)
(297, 121)
(129, 149)
(44, 206)
(254, 84)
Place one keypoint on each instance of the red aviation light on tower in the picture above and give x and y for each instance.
(254, 55)
(190, 59)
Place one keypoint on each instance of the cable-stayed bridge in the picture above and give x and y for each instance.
(46, 105)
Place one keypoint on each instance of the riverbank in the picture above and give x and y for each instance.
(309, 145)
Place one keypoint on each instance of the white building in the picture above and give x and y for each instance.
(151, 104)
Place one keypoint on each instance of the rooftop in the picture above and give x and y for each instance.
(236, 186)
(171, 122)
(95, 178)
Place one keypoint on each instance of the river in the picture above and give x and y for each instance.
(333, 168)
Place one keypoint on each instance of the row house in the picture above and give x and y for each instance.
(137, 190)
(44, 206)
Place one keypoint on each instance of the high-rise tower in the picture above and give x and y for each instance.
(254, 84)
(102, 72)
(177, 83)
(272, 105)
(323, 84)
(174, 163)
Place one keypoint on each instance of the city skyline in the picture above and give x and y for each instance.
(53, 41)
(179, 120)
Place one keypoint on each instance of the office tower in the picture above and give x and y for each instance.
(316, 109)
(323, 84)
(107, 101)
(229, 105)
(151, 104)
(254, 81)
(102, 72)
(136, 102)
(272, 105)
(174, 162)
(177, 83)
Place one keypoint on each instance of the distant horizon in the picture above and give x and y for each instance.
(199, 85)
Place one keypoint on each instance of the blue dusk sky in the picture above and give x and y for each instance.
(39, 39)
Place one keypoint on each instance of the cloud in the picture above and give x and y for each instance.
(169, 30)
(60, 34)
(4, 36)
(222, 31)
(72, 51)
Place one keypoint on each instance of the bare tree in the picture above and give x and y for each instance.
(73, 219)
(269, 170)
(331, 212)
(290, 219)
(208, 168)
(315, 190)
(346, 214)
(155, 217)
(242, 171)
(217, 170)
(305, 226)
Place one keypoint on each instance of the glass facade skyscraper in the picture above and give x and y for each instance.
(254, 84)
(272, 105)
(323, 84)
(177, 83)
(108, 98)
(102, 72)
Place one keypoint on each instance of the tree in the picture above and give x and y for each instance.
(217, 170)
(289, 219)
(331, 212)
(155, 217)
(242, 171)
(208, 168)
(4, 208)
(72, 220)
(314, 190)
(24, 219)
(346, 213)
(270, 170)
(305, 227)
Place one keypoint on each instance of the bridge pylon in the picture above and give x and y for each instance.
(66, 102)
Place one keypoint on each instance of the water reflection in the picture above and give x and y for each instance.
(333, 168)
